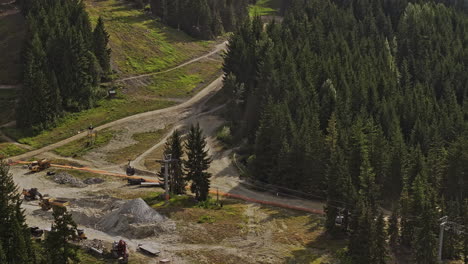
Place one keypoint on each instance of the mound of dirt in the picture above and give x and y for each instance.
(93, 181)
(135, 219)
(65, 178)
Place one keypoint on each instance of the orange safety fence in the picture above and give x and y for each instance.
(229, 195)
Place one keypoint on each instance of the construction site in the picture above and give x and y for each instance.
(123, 215)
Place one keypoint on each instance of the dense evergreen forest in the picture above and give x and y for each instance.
(64, 61)
(201, 18)
(363, 103)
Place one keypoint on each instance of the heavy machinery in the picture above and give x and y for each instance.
(47, 203)
(81, 234)
(40, 165)
(36, 231)
(130, 170)
(31, 194)
(120, 251)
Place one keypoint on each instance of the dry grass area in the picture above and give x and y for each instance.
(143, 141)
(240, 232)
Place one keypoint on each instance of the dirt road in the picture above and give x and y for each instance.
(199, 98)
(218, 48)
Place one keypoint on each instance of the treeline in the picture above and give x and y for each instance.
(201, 18)
(364, 104)
(64, 60)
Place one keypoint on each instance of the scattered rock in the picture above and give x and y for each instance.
(93, 181)
(65, 178)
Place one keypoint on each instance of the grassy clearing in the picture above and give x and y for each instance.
(71, 124)
(10, 150)
(82, 146)
(12, 33)
(265, 8)
(7, 104)
(139, 43)
(172, 84)
(144, 141)
(185, 81)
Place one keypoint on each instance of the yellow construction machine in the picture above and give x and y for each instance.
(47, 203)
(39, 165)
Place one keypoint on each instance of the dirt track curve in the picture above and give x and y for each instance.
(218, 48)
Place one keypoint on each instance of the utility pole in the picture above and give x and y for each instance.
(448, 226)
(441, 236)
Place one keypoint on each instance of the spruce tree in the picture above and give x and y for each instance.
(394, 227)
(197, 163)
(173, 146)
(379, 245)
(14, 235)
(101, 50)
(59, 249)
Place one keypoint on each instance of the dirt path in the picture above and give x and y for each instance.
(218, 48)
(199, 98)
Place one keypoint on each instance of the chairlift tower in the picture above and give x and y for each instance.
(447, 225)
(166, 161)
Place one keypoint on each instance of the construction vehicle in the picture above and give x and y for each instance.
(135, 181)
(81, 234)
(47, 203)
(40, 165)
(36, 231)
(130, 170)
(120, 251)
(31, 194)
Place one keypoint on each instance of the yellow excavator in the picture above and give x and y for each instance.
(47, 203)
(39, 165)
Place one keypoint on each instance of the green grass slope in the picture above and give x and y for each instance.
(139, 43)
(265, 8)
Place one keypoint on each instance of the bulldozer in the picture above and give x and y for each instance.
(40, 165)
(31, 194)
(47, 203)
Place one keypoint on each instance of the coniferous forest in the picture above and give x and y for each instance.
(362, 103)
(64, 61)
(201, 18)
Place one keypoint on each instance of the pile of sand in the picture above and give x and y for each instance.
(135, 219)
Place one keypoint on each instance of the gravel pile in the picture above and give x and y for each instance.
(65, 178)
(135, 219)
(93, 181)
